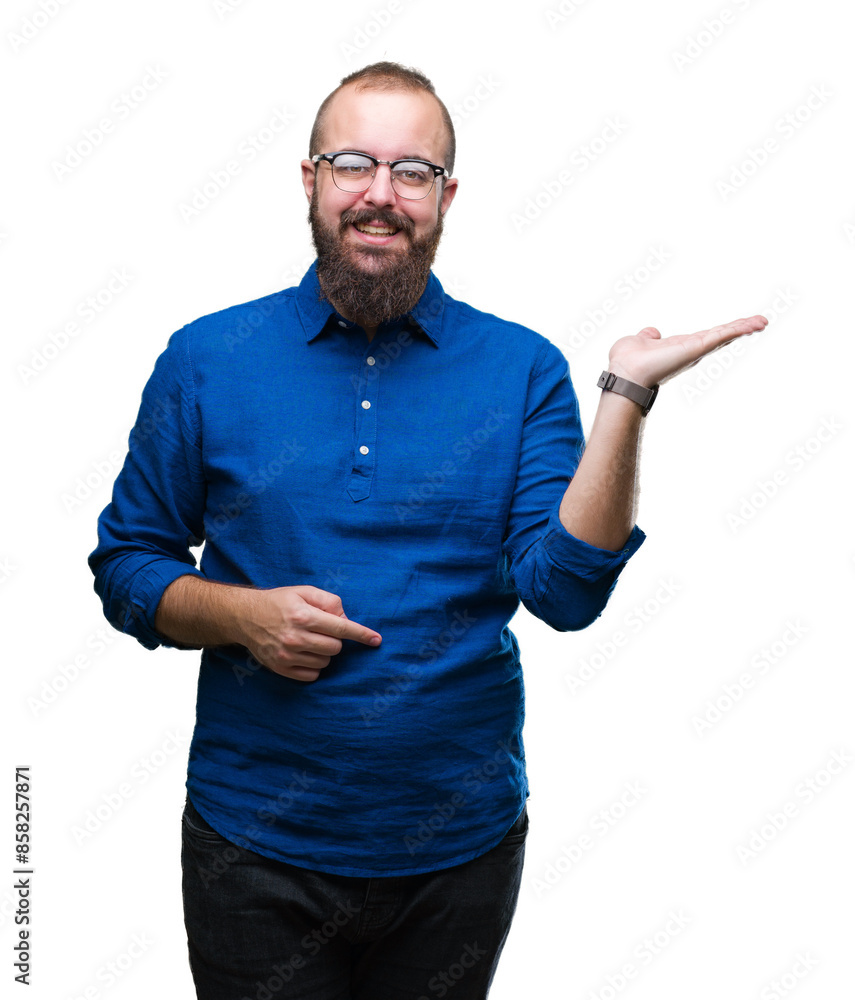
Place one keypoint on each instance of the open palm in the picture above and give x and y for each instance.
(649, 359)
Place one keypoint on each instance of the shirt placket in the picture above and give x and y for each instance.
(365, 427)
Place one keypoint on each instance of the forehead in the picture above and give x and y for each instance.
(388, 124)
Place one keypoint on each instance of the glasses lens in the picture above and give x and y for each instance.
(412, 179)
(352, 172)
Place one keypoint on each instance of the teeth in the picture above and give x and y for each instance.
(376, 230)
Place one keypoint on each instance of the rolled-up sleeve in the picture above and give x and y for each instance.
(561, 579)
(156, 512)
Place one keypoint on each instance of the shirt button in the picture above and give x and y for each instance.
(363, 450)
(341, 322)
(369, 361)
(365, 404)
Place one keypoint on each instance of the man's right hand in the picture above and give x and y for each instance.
(293, 631)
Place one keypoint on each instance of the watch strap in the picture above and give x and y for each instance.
(609, 382)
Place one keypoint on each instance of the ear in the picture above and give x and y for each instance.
(309, 174)
(449, 190)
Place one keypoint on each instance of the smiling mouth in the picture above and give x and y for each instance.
(365, 227)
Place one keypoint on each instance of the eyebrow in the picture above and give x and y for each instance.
(414, 156)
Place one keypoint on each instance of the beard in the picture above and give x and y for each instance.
(370, 284)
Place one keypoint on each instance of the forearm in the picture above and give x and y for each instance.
(293, 631)
(197, 613)
(601, 502)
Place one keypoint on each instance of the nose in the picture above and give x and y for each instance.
(381, 193)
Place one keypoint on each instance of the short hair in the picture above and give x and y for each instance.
(385, 76)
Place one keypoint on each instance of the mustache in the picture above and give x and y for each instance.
(382, 215)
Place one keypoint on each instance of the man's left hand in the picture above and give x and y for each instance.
(649, 360)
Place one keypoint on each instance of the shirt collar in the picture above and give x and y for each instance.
(315, 311)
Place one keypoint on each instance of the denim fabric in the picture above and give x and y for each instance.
(260, 929)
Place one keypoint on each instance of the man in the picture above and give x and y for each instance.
(380, 474)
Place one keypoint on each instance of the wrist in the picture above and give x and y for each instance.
(613, 382)
(203, 612)
(236, 610)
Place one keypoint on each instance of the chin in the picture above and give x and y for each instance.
(374, 257)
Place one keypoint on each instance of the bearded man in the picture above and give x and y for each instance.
(380, 474)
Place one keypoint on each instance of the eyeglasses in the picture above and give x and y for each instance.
(354, 173)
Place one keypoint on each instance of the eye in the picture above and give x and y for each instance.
(352, 165)
(413, 172)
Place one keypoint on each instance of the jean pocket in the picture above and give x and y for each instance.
(518, 832)
(197, 827)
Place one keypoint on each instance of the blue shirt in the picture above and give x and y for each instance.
(418, 477)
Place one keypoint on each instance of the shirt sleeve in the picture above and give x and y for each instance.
(561, 579)
(156, 511)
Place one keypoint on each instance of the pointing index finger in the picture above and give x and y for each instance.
(343, 628)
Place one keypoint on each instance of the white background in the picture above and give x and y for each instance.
(746, 473)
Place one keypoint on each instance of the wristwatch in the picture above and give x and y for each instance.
(609, 382)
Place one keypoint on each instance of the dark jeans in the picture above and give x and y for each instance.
(260, 929)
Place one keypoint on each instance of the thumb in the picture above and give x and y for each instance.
(651, 333)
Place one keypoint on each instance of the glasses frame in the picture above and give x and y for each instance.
(329, 157)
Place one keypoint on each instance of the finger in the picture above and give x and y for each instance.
(331, 619)
(739, 327)
(302, 665)
(315, 643)
(704, 342)
(304, 674)
(344, 628)
(322, 599)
